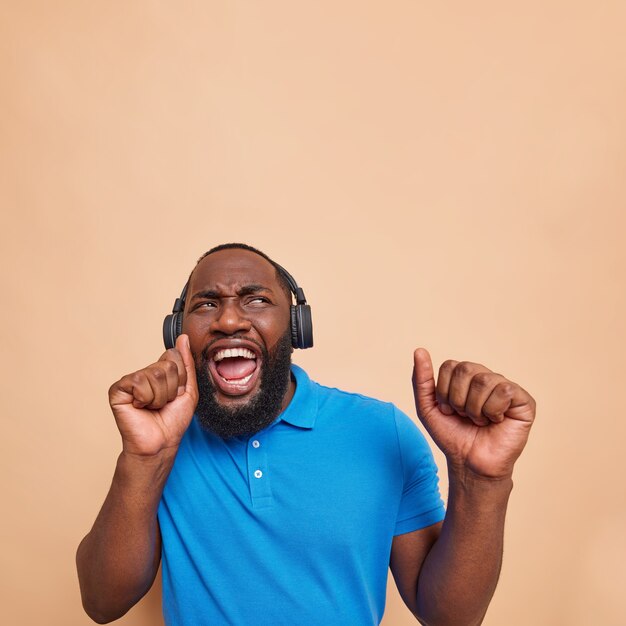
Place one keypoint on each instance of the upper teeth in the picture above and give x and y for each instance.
(233, 352)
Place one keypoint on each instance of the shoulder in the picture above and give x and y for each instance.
(370, 412)
(350, 406)
(342, 400)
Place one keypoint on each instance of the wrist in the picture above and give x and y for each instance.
(153, 468)
(468, 486)
(465, 475)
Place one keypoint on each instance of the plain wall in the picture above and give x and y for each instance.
(445, 174)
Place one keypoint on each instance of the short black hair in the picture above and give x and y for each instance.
(280, 273)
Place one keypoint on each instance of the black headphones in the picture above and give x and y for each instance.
(301, 322)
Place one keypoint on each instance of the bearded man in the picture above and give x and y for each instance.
(270, 499)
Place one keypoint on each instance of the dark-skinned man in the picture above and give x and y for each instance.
(270, 499)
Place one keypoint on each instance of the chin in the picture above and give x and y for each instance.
(229, 414)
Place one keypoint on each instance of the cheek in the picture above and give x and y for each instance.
(197, 335)
(272, 333)
(268, 324)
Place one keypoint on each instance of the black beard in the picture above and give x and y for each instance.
(261, 410)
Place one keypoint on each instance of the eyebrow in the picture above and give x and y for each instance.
(246, 290)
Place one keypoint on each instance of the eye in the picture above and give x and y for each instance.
(205, 305)
(257, 301)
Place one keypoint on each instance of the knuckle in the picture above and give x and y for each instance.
(171, 355)
(481, 380)
(170, 367)
(447, 366)
(464, 368)
(137, 378)
(506, 388)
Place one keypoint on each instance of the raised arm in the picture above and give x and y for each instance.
(481, 422)
(119, 558)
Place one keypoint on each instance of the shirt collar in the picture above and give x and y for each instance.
(302, 410)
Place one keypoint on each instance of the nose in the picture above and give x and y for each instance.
(230, 320)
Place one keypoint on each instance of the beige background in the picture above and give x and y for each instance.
(447, 174)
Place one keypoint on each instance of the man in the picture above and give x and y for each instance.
(282, 501)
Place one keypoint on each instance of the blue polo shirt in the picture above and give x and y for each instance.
(294, 524)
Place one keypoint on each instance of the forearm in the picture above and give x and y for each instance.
(118, 560)
(460, 573)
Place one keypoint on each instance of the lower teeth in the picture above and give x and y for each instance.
(238, 381)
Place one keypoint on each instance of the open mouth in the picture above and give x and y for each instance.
(234, 371)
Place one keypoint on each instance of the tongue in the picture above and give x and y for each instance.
(235, 367)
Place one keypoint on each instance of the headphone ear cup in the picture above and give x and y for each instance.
(301, 326)
(172, 328)
(294, 327)
(178, 326)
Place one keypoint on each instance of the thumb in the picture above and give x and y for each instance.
(423, 382)
(182, 345)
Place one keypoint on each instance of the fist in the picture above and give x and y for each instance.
(154, 406)
(479, 419)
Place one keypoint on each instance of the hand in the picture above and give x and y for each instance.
(478, 418)
(154, 406)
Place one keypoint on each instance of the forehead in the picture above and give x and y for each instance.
(233, 267)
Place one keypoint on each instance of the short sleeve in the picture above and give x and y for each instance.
(421, 504)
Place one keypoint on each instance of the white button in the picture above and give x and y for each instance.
(256, 444)
(258, 474)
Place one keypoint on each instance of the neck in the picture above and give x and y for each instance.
(291, 389)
